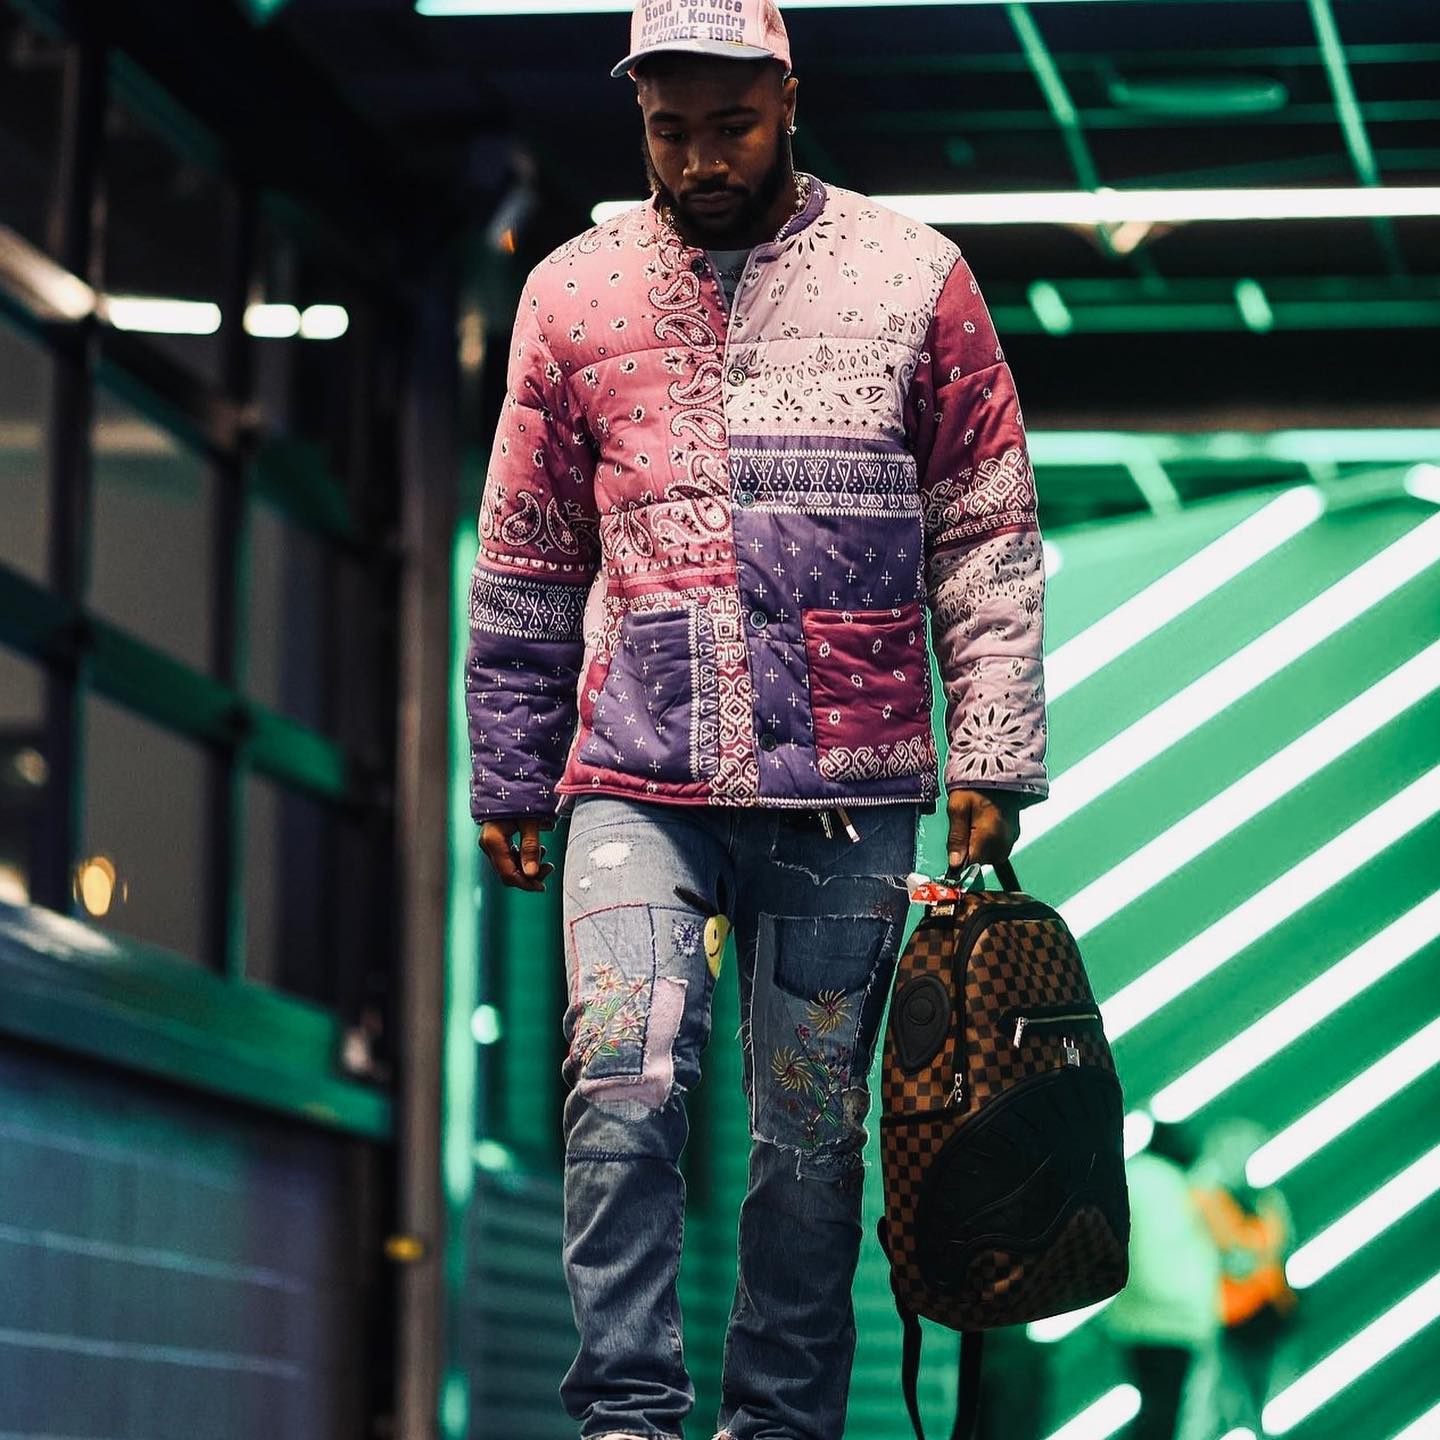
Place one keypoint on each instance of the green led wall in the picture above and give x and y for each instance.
(1329, 721)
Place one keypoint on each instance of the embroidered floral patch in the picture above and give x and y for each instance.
(685, 936)
(612, 1015)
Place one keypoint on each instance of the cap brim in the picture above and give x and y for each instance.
(720, 49)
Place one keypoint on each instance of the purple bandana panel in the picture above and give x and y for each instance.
(656, 714)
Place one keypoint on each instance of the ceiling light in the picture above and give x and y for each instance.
(1202, 94)
(1151, 207)
(1337, 1242)
(272, 322)
(324, 322)
(151, 315)
(1050, 308)
(1244, 671)
(1307, 1007)
(1362, 1352)
(1346, 1107)
(1254, 306)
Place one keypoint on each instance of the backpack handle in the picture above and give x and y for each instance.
(1004, 873)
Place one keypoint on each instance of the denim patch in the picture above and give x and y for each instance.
(627, 1010)
(811, 1007)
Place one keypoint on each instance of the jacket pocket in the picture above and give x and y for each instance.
(655, 715)
(869, 692)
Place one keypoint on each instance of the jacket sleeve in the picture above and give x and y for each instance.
(984, 567)
(538, 555)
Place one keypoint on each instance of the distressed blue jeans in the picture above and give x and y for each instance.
(817, 924)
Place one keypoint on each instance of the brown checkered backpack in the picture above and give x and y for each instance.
(1001, 1129)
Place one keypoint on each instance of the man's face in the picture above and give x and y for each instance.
(716, 143)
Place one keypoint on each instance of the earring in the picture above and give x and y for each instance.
(789, 129)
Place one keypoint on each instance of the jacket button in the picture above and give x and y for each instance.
(737, 375)
(698, 265)
(768, 742)
(744, 497)
(759, 619)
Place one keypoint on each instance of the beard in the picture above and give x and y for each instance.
(745, 225)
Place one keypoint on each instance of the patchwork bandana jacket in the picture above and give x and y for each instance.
(710, 534)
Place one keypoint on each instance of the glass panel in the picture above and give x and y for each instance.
(309, 381)
(140, 869)
(24, 406)
(152, 570)
(288, 612)
(32, 78)
(23, 772)
(165, 236)
(290, 876)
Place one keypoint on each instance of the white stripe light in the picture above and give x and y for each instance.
(1220, 942)
(1246, 797)
(1305, 1009)
(1342, 1367)
(1346, 1107)
(272, 322)
(1387, 1206)
(1249, 667)
(1423, 1427)
(1103, 1417)
(1057, 1327)
(1185, 586)
(1149, 207)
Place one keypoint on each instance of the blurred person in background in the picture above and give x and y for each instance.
(1167, 1314)
(1253, 1232)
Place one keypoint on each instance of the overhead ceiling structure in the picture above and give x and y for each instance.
(1175, 325)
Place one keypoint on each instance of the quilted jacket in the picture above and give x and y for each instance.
(710, 533)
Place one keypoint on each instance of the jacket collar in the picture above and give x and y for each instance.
(805, 217)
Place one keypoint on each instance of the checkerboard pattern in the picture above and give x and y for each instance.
(1020, 963)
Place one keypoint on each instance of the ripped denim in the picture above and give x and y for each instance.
(817, 925)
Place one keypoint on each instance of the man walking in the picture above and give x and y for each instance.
(753, 429)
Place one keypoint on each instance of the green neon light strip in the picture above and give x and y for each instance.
(1180, 589)
(1103, 1417)
(1363, 967)
(1262, 787)
(1237, 676)
(1291, 447)
(1361, 1353)
(1423, 1427)
(462, 938)
(1289, 893)
(1374, 1215)
(1346, 1107)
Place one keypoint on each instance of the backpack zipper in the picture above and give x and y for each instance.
(1048, 1017)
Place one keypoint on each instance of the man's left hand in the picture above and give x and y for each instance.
(984, 826)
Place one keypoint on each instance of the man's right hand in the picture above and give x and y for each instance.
(522, 865)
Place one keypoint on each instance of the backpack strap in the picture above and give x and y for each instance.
(967, 1400)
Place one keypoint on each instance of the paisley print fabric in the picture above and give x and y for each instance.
(809, 464)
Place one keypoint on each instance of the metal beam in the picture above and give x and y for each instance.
(1062, 108)
(1352, 123)
(937, 121)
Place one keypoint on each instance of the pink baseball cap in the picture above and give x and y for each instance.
(731, 29)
